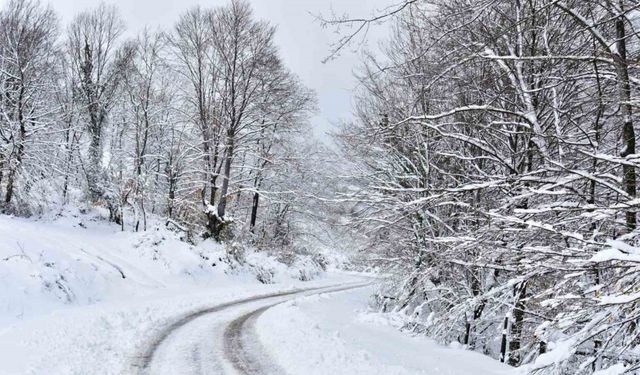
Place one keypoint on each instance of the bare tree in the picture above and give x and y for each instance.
(99, 63)
(27, 58)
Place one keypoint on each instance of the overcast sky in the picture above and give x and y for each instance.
(303, 42)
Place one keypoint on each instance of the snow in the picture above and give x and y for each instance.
(79, 259)
(341, 337)
(103, 339)
(81, 297)
(613, 370)
(559, 351)
(619, 299)
(617, 250)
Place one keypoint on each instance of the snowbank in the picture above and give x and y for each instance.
(79, 259)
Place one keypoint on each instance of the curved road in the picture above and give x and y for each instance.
(218, 340)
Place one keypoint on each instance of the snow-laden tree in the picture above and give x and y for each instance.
(27, 61)
(495, 158)
(99, 62)
(235, 81)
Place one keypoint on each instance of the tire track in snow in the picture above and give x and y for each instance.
(141, 364)
(242, 347)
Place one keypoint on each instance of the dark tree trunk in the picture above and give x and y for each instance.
(216, 220)
(477, 311)
(13, 171)
(254, 211)
(1, 168)
(213, 189)
(517, 325)
(172, 192)
(222, 204)
(96, 117)
(22, 136)
(503, 343)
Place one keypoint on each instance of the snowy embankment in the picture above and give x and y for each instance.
(80, 259)
(80, 297)
(333, 334)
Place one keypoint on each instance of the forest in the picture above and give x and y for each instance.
(489, 172)
(201, 118)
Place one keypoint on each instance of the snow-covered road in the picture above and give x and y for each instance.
(108, 338)
(313, 331)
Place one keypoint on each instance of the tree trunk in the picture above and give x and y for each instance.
(477, 311)
(216, 221)
(93, 169)
(503, 343)
(628, 133)
(172, 195)
(254, 211)
(10, 184)
(1, 167)
(517, 325)
(22, 136)
(70, 142)
(222, 205)
(13, 169)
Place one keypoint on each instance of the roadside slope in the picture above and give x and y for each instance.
(80, 259)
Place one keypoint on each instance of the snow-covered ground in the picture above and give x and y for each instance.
(79, 296)
(105, 338)
(79, 259)
(334, 334)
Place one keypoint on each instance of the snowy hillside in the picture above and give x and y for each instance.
(109, 338)
(81, 259)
